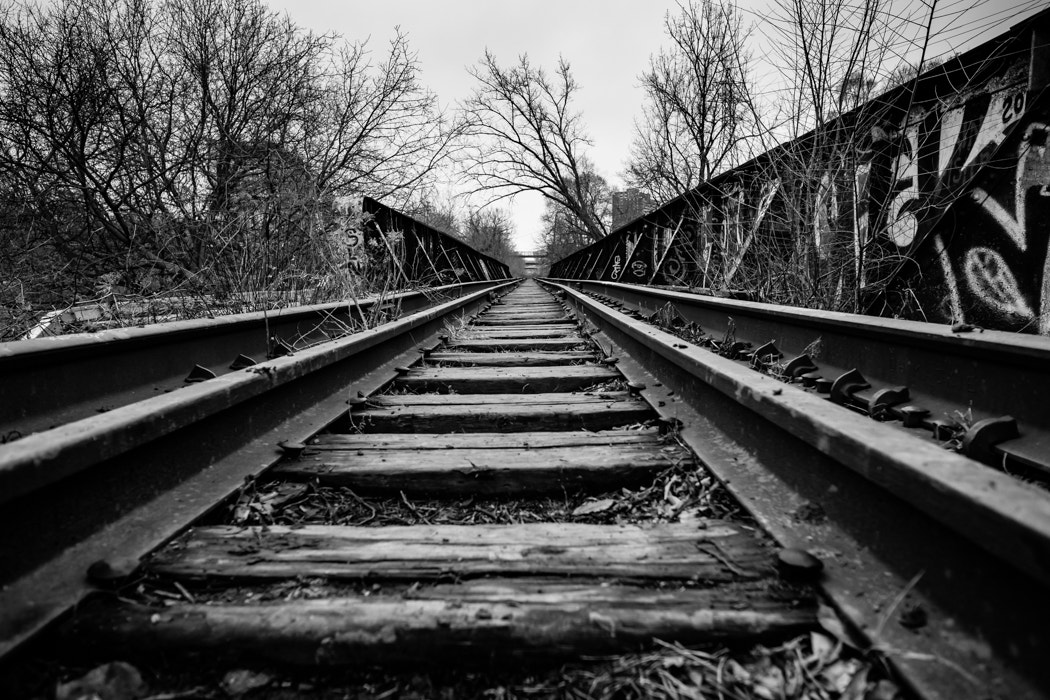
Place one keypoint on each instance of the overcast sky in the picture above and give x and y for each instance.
(607, 43)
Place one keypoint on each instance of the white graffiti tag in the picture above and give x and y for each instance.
(1032, 169)
(990, 279)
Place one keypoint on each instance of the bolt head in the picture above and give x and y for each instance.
(110, 571)
(798, 564)
(292, 449)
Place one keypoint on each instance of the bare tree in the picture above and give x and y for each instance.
(562, 233)
(907, 71)
(834, 54)
(800, 224)
(380, 131)
(699, 115)
(436, 212)
(195, 144)
(526, 137)
(491, 231)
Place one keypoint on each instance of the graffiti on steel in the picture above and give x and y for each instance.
(930, 202)
(987, 234)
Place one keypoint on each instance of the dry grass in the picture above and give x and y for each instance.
(680, 492)
(613, 385)
(809, 667)
(335, 505)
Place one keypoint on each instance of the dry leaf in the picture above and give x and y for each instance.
(591, 507)
(884, 690)
(839, 675)
(858, 686)
(829, 621)
(769, 683)
(241, 681)
(823, 646)
(113, 681)
(738, 672)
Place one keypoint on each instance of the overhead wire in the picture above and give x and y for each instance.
(905, 44)
(978, 23)
(953, 20)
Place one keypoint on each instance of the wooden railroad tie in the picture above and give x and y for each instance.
(514, 405)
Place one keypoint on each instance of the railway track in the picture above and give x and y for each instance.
(555, 479)
(53, 381)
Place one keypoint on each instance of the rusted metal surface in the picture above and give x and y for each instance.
(899, 523)
(928, 203)
(927, 377)
(116, 485)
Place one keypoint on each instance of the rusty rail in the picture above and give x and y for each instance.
(900, 520)
(52, 381)
(118, 483)
(981, 391)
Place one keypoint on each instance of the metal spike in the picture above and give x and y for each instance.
(241, 362)
(199, 374)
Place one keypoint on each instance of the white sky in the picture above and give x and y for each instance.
(606, 42)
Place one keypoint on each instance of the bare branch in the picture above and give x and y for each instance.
(525, 137)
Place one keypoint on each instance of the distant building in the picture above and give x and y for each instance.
(629, 204)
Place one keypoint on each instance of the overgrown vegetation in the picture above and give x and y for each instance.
(489, 230)
(799, 227)
(827, 206)
(816, 666)
(525, 136)
(196, 152)
(813, 666)
(699, 116)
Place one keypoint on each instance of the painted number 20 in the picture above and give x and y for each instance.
(1013, 105)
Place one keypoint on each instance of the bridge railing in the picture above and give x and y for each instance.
(384, 239)
(926, 202)
(382, 245)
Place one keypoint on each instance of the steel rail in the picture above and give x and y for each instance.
(899, 521)
(53, 381)
(131, 307)
(989, 387)
(156, 465)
